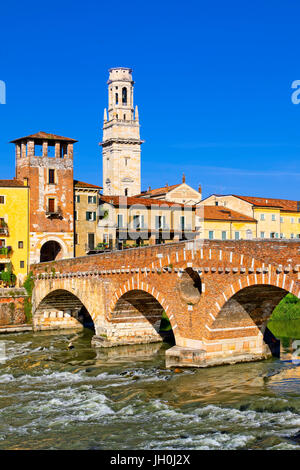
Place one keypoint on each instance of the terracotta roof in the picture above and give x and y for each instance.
(44, 136)
(12, 183)
(221, 213)
(81, 184)
(283, 204)
(116, 200)
(158, 191)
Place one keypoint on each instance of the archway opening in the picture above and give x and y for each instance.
(50, 251)
(144, 309)
(61, 307)
(249, 311)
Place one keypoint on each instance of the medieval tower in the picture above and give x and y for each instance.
(121, 137)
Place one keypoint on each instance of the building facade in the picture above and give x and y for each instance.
(121, 144)
(14, 228)
(131, 221)
(86, 217)
(276, 218)
(181, 193)
(44, 162)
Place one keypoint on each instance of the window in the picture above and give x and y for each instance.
(224, 235)
(262, 234)
(262, 217)
(51, 176)
(292, 235)
(51, 205)
(292, 220)
(91, 216)
(2, 242)
(126, 191)
(38, 150)
(51, 151)
(76, 239)
(160, 222)
(282, 235)
(211, 234)
(126, 160)
(22, 264)
(92, 199)
(124, 95)
(117, 98)
(281, 220)
(273, 217)
(63, 150)
(20, 245)
(77, 198)
(236, 235)
(217, 203)
(75, 215)
(120, 220)
(272, 235)
(91, 241)
(2, 199)
(298, 221)
(182, 223)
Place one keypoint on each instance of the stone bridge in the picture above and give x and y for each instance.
(218, 296)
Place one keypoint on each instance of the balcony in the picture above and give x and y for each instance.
(52, 213)
(4, 229)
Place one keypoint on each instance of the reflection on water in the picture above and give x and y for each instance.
(124, 398)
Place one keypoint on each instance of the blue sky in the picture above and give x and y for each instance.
(213, 86)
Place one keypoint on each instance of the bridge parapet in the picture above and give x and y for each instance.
(126, 292)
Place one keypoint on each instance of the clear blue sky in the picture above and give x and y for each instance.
(213, 86)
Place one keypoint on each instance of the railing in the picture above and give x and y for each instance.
(55, 213)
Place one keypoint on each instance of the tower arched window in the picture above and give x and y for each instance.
(117, 98)
(124, 95)
(126, 191)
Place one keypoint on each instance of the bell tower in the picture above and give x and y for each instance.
(121, 145)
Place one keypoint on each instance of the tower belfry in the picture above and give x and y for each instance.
(121, 145)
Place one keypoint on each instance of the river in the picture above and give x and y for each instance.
(52, 397)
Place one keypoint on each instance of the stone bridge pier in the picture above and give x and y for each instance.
(217, 295)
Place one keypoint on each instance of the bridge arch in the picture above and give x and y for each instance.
(142, 300)
(62, 307)
(244, 309)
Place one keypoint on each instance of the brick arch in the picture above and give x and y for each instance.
(279, 281)
(61, 307)
(75, 290)
(136, 283)
(204, 253)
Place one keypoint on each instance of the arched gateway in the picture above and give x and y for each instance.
(217, 295)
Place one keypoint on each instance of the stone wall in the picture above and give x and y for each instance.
(12, 307)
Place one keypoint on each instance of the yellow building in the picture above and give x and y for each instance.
(220, 223)
(134, 221)
(276, 218)
(86, 200)
(14, 227)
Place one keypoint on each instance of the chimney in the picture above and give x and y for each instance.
(199, 189)
(298, 206)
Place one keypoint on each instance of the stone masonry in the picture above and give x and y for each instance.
(218, 295)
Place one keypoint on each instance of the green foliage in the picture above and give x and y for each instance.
(28, 286)
(8, 277)
(287, 309)
(285, 329)
(165, 324)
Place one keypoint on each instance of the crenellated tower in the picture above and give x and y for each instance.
(121, 145)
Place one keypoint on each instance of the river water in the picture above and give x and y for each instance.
(124, 398)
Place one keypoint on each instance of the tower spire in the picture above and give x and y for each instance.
(121, 145)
